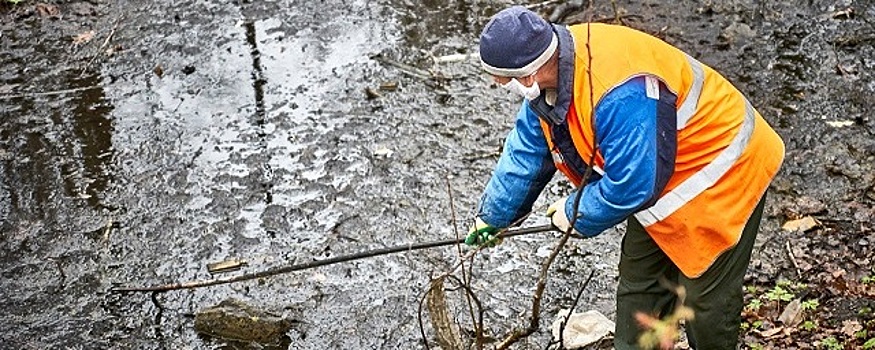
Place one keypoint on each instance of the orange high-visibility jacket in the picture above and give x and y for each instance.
(726, 152)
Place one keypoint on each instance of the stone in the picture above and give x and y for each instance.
(233, 319)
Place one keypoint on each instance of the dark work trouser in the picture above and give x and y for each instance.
(715, 297)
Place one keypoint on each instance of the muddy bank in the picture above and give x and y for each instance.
(203, 131)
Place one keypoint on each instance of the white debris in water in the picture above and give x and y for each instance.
(383, 152)
(318, 277)
(544, 251)
(840, 123)
(583, 328)
(507, 266)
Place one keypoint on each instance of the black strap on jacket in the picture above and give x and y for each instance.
(561, 136)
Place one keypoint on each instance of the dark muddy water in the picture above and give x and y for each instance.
(242, 130)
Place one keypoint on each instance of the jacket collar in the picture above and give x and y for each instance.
(556, 112)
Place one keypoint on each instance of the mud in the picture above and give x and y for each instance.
(190, 132)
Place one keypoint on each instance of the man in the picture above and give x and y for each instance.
(677, 152)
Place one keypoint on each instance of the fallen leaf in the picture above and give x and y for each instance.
(801, 225)
(771, 332)
(83, 37)
(792, 314)
(851, 327)
(46, 10)
(112, 50)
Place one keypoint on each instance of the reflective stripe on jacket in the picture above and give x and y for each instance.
(726, 153)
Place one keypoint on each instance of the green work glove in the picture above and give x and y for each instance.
(558, 218)
(482, 234)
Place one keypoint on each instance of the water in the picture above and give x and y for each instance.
(257, 141)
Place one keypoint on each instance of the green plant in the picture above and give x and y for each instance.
(810, 304)
(799, 286)
(865, 310)
(757, 324)
(808, 325)
(831, 343)
(753, 305)
(779, 294)
(755, 346)
(869, 344)
(861, 334)
(870, 279)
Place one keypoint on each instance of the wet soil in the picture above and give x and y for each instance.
(189, 132)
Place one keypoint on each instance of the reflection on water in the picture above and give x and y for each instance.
(58, 143)
(87, 173)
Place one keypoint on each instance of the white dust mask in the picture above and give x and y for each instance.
(530, 93)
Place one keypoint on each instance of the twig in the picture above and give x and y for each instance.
(470, 256)
(542, 4)
(793, 258)
(105, 42)
(617, 17)
(571, 310)
(536, 298)
(317, 263)
(50, 93)
(459, 57)
(63, 279)
(484, 155)
(406, 69)
(466, 276)
(561, 11)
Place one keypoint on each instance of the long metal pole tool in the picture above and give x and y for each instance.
(317, 263)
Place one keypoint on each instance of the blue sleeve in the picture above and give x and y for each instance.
(524, 168)
(625, 122)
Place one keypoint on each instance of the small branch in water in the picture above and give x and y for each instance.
(516, 335)
(485, 155)
(459, 57)
(406, 69)
(317, 263)
(63, 280)
(160, 308)
(466, 280)
(571, 309)
(542, 4)
(107, 230)
(105, 42)
(50, 93)
(617, 17)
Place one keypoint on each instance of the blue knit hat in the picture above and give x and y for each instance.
(516, 42)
